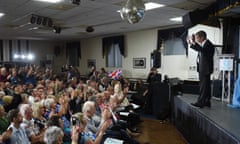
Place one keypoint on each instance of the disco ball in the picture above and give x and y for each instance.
(133, 11)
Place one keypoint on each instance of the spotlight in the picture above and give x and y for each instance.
(89, 29)
(33, 19)
(50, 22)
(44, 21)
(76, 2)
(39, 20)
(57, 29)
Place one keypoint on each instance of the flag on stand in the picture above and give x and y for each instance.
(115, 74)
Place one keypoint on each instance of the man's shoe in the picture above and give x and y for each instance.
(197, 105)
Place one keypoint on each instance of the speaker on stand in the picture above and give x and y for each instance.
(156, 59)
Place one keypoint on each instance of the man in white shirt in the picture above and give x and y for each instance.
(15, 134)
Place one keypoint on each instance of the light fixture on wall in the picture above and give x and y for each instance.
(23, 56)
(133, 11)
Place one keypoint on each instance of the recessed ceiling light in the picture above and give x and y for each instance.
(50, 1)
(152, 5)
(176, 19)
(2, 14)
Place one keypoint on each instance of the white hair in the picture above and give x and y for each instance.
(52, 135)
(48, 102)
(24, 108)
(87, 106)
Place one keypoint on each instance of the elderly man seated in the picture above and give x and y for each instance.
(33, 131)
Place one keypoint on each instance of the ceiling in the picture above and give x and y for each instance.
(73, 19)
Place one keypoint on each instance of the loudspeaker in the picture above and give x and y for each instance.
(89, 29)
(57, 29)
(195, 17)
(156, 59)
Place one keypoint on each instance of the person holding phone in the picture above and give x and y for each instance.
(205, 48)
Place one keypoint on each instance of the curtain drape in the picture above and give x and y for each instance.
(167, 34)
(107, 42)
(73, 53)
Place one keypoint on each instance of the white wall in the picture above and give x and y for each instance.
(137, 45)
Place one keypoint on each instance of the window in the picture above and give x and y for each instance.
(114, 57)
(113, 50)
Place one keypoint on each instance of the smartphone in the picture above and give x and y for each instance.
(75, 121)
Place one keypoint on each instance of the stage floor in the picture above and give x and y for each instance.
(220, 115)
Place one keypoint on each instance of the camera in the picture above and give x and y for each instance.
(40, 124)
(75, 121)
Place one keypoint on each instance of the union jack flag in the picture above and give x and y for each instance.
(115, 74)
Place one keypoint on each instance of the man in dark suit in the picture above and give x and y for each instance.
(205, 50)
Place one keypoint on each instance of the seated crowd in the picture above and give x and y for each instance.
(38, 106)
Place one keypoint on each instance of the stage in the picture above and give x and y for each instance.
(219, 124)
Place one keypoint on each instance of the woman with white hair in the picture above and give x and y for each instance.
(53, 135)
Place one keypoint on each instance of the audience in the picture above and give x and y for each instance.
(41, 106)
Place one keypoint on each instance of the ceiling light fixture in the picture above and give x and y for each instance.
(133, 11)
(2, 14)
(176, 19)
(50, 1)
(152, 5)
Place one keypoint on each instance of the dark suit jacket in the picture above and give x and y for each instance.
(205, 57)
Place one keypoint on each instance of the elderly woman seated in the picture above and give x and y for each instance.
(79, 123)
(53, 135)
